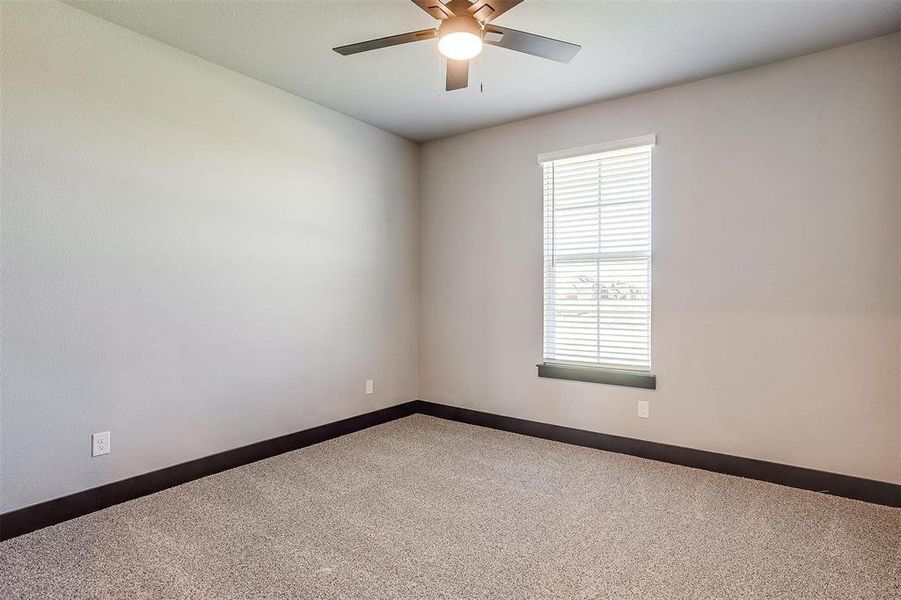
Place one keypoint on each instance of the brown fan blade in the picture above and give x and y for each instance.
(391, 40)
(530, 43)
(457, 74)
(435, 8)
(486, 10)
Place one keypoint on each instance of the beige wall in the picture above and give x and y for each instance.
(777, 265)
(191, 260)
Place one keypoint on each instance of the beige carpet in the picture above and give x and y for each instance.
(427, 508)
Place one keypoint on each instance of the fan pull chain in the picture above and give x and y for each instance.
(482, 62)
(438, 89)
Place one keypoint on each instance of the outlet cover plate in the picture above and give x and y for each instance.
(644, 409)
(100, 443)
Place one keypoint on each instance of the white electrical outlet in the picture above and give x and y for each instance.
(644, 409)
(100, 443)
(368, 386)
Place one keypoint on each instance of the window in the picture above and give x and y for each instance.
(597, 263)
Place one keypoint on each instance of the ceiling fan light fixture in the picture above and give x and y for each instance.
(465, 25)
(460, 38)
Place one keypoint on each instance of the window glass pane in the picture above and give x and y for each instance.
(597, 229)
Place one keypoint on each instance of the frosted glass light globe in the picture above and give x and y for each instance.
(460, 45)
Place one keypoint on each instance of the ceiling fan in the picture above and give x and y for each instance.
(465, 26)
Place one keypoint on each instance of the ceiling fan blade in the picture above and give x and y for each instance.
(530, 43)
(457, 74)
(435, 8)
(486, 10)
(391, 40)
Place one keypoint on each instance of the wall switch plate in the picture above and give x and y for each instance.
(368, 386)
(644, 409)
(100, 443)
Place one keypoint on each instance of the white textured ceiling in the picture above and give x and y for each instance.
(628, 46)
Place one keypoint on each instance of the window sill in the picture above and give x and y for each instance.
(598, 375)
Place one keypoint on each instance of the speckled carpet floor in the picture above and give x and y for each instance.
(427, 508)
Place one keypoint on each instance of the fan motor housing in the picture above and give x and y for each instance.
(460, 24)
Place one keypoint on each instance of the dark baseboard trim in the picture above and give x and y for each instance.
(37, 516)
(868, 490)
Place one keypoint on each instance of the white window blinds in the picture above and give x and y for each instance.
(597, 257)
